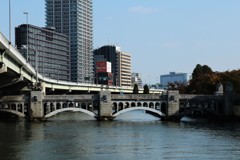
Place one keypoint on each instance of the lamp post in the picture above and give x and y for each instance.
(36, 57)
(36, 64)
(10, 21)
(26, 13)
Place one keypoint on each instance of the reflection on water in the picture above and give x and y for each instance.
(133, 135)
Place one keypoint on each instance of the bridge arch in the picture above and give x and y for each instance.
(151, 105)
(145, 104)
(59, 106)
(157, 105)
(51, 114)
(139, 104)
(120, 106)
(151, 110)
(20, 114)
(14, 108)
(133, 104)
(127, 105)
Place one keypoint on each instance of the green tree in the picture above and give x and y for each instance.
(204, 80)
(201, 70)
(145, 89)
(135, 89)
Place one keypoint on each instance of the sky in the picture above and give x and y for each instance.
(162, 36)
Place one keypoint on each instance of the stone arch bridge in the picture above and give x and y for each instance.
(167, 106)
(102, 106)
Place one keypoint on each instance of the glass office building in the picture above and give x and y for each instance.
(46, 50)
(74, 18)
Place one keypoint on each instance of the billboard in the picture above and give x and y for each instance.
(103, 67)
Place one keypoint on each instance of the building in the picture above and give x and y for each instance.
(124, 69)
(104, 73)
(74, 18)
(174, 77)
(120, 62)
(136, 79)
(46, 50)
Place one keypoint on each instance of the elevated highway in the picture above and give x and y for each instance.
(16, 74)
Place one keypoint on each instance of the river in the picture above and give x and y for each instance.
(133, 135)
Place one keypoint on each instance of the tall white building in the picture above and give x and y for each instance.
(124, 69)
(74, 18)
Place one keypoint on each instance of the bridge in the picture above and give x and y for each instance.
(100, 106)
(25, 93)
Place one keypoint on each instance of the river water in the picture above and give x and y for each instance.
(133, 135)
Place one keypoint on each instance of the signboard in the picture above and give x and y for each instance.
(103, 67)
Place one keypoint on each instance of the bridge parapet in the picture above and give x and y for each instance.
(136, 97)
(198, 96)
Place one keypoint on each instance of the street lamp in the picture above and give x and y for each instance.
(36, 64)
(26, 13)
(10, 21)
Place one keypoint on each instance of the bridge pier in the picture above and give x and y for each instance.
(172, 106)
(36, 106)
(105, 105)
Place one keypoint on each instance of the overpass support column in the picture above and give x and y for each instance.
(3, 68)
(105, 107)
(173, 105)
(36, 105)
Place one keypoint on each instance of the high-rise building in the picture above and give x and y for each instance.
(74, 18)
(120, 63)
(46, 50)
(124, 69)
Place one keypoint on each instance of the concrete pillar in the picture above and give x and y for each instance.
(43, 87)
(36, 105)
(105, 107)
(228, 100)
(173, 105)
(3, 68)
(228, 105)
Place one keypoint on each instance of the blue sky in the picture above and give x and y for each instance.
(161, 35)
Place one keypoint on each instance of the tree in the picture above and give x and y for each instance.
(135, 89)
(180, 86)
(231, 77)
(204, 80)
(145, 89)
(201, 70)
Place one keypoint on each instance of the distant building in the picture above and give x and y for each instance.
(136, 79)
(174, 77)
(46, 50)
(120, 63)
(74, 18)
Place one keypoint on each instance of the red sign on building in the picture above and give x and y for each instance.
(103, 67)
